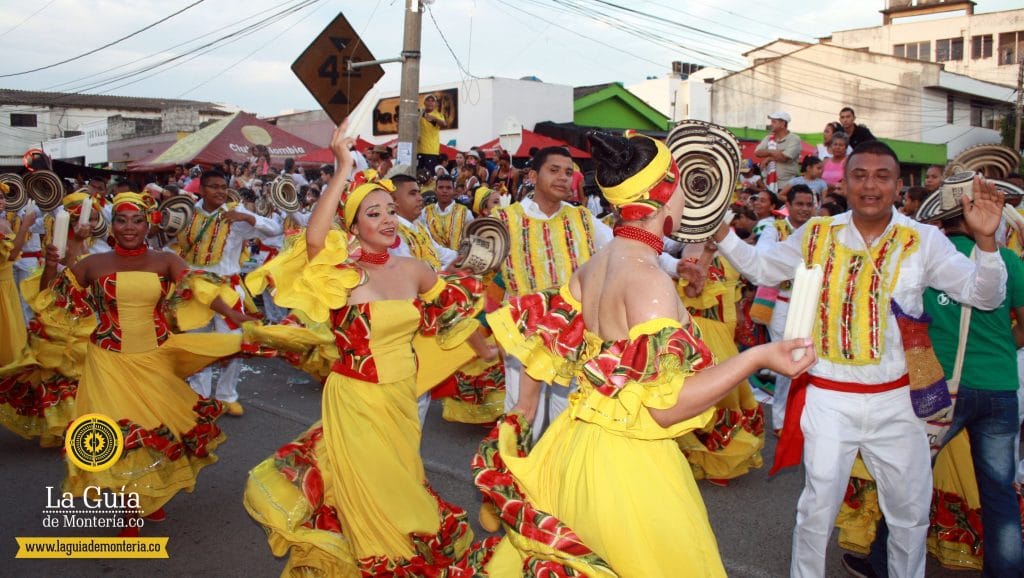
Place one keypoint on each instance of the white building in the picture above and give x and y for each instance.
(982, 46)
(678, 96)
(29, 118)
(897, 98)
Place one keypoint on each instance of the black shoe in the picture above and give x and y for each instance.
(858, 567)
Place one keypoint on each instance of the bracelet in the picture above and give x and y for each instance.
(693, 260)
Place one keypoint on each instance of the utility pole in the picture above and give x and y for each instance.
(1020, 100)
(409, 103)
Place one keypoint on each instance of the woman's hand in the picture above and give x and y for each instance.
(341, 144)
(52, 258)
(778, 356)
(238, 317)
(483, 350)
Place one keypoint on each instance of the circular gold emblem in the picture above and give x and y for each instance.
(94, 442)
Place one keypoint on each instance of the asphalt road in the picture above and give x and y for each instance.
(210, 533)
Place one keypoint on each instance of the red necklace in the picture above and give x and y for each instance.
(374, 258)
(121, 251)
(646, 237)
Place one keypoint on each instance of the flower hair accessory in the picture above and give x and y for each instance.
(363, 183)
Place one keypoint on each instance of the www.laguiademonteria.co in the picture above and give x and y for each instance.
(74, 547)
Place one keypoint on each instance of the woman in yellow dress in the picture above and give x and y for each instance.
(13, 336)
(135, 366)
(606, 491)
(349, 497)
(37, 394)
(730, 445)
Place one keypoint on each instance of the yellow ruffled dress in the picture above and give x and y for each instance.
(349, 497)
(606, 491)
(134, 373)
(13, 336)
(731, 444)
(37, 397)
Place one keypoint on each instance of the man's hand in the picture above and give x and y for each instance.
(984, 212)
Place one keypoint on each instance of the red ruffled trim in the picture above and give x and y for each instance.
(472, 389)
(492, 477)
(460, 299)
(640, 360)
(436, 556)
(28, 397)
(728, 422)
(161, 439)
(554, 320)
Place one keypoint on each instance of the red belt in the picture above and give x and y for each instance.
(31, 254)
(782, 299)
(790, 448)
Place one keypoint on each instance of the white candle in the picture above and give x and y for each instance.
(60, 232)
(803, 305)
(86, 212)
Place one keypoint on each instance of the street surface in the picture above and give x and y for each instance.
(211, 534)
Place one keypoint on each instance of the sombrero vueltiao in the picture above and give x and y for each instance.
(15, 196)
(45, 188)
(944, 203)
(284, 194)
(484, 246)
(175, 214)
(708, 157)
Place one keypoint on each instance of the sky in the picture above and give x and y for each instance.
(576, 42)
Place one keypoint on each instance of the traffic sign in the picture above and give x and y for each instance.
(324, 68)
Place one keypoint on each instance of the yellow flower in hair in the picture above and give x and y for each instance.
(362, 185)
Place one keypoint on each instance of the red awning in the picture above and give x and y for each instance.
(531, 140)
(234, 137)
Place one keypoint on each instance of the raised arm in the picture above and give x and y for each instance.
(326, 208)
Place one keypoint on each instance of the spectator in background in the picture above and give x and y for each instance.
(810, 175)
(291, 170)
(744, 221)
(429, 143)
(764, 205)
(750, 175)
(506, 175)
(779, 150)
(912, 200)
(832, 168)
(858, 133)
(824, 149)
(192, 185)
(933, 178)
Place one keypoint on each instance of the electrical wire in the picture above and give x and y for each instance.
(105, 46)
(27, 18)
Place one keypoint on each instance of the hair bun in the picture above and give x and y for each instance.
(612, 151)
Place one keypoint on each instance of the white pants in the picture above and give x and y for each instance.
(893, 444)
(227, 383)
(422, 406)
(553, 399)
(776, 329)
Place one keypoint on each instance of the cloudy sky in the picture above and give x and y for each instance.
(240, 51)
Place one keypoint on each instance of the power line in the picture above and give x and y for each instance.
(246, 57)
(105, 46)
(27, 18)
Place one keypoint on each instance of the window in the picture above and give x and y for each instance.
(916, 50)
(949, 49)
(981, 46)
(982, 115)
(23, 120)
(1011, 47)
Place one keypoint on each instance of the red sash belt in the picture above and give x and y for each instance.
(790, 449)
(782, 299)
(236, 281)
(31, 255)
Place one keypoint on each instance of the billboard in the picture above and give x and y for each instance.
(385, 115)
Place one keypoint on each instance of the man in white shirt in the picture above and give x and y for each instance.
(856, 396)
(213, 242)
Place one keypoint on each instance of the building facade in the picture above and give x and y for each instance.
(985, 46)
